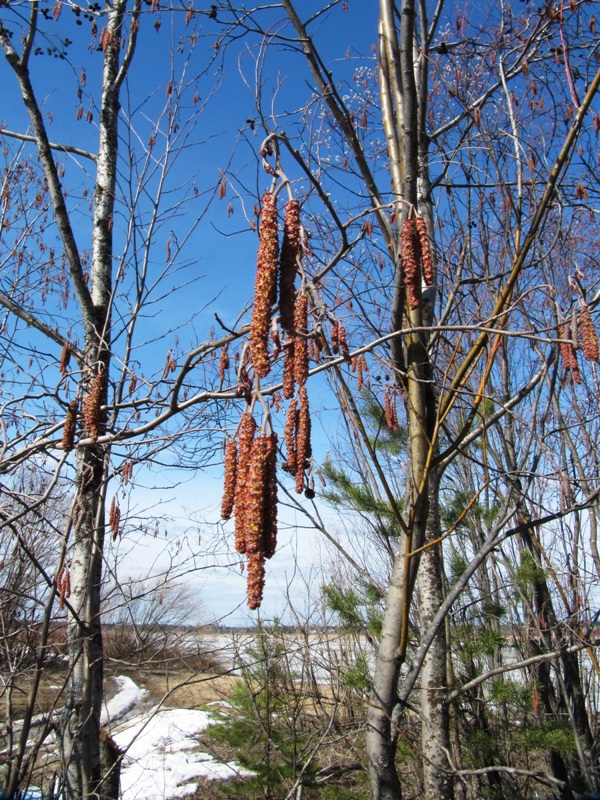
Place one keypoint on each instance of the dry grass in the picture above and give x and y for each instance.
(186, 689)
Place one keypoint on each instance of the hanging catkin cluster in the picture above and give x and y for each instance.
(339, 343)
(251, 491)
(92, 406)
(417, 261)
(290, 251)
(588, 335)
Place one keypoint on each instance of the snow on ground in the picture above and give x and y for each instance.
(161, 759)
(128, 696)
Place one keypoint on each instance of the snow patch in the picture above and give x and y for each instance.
(160, 761)
(128, 696)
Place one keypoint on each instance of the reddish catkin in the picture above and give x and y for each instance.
(335, 337)
(255, 575)
(92, 406)
(289, 436)
(256, 495)
(229, 480)
(568, 353)
(425, 248)
(410, 263)
(344, 350)
(65, 358)
(223, 364)
(300, 342)
(70, 426)
(303, 447)
(290, 251)
(114, 518)
(288, 369)
(265, 287)
(314, 348)
(589, 337)
(389, 407)
(270, 504)
(245, 439)
(361, 366)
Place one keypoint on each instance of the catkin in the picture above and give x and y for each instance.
(303, 447)
(425, 251)
(230, 465)
(361, 366)
(65, 358)
(114, 518)
(589, 337)
(289, 435)
(256, 485)
(256, 579)
(568, 353)
(265, 287)
(288, 261)
(344, 350)
(288, 369)
(300, 342)
(92, 406)
(223, 364)
(270, 501)
(70, 426)
(410, 263)
(335, 337)
(245, 439)
(389, 407)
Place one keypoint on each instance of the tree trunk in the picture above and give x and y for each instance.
(435, 742)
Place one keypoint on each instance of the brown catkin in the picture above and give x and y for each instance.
(425, 248)
(265, 287)
(410, 263)
(568, 353)
(589, 337)
(290, 250)
(255, 575)
(92, 406)
(303, 447)
(270, 503)
(256, 495)
(300, 342)
(288, 369)
(289, 436)
(114, 518)
(335, 338)
(229, 480)
(223, 364)
(344, 350)
(360, 369)
(65, 357)
(70, 426)
(389, 407)
(127, 472)
(245, 439)
(314, 348)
